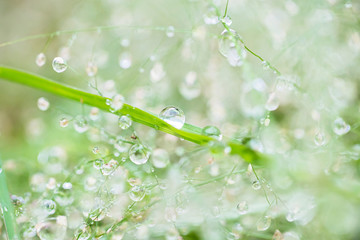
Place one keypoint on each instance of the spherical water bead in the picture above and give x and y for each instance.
(91, 69)
(227, 20)
(80, 124)
(67, 185)
(242, 208)
(94, 114)
(190, 88)
(170, 32)
(125, 60)
(272, 103)
(109, 168)
(43, 104)
(59, 65)
(49, 206)
(98, 163)
(97, 215)
(263, 223)
(134, 181)
(256, 185)
(277, 235)
(29, 231)
(117, 102)
(64, 122)
(340, 127)
(231, 47)
(139, 154)
(83, 233)
(53, 228)
(173, 116)
(40, 59)
(212, 131)
(210, 17)
(160, 158)
(157, 72)
(124, 122)
(137, 193)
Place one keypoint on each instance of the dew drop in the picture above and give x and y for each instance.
(53, 228)
(139, 154)
(43, 104)
(124, 122)
(59, 65)
(91, 69)
(272, 103)
(263, 223)
(231, 47)
(98, 163)
(80, 124)
(125, 60)
(212, 131)
(340, 127)
(49, 206)
(160, 158)
(137, 193)
(64, 122)
(242, 208)
(173, 116)
(117, 102)
(266, 65)
(277, 235)
(120, 145)
(170, 32)
(97, 215)
(157, 72)
(227, 20)
(256, 185)
(319, 139)
(94, 114)
(190, 88)
(95, 150)
(29, 232)
(40, 59)
(109, 168)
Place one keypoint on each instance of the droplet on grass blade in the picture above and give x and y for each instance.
(212, 131)
(59, 65)
(173, 116)
(137, 193)
(124, 122)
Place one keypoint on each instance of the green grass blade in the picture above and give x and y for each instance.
(7, 210)
(188, 132)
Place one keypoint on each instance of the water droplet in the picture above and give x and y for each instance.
(139, 154)
(256, 185)
(160, 158)
(63, 196)
(59, 65)
(29, 232)
(94, 113)
(263, 223)
(272, 103)
(64, 122)
(210, 17)
(43, 104)
(340, 127)
(227, 20)
(117, 102)
(190, 88)
(134, 181)
(157, 72)
(232, 48)
(212, 131)
(40, 59)
(266, 65)
(320, 139)
(137, 193)
(124, 122)
(170, 32)
(80, 124)
(53, 228)
(91, 69)
(95, 150)
(242, 208)
(120, 145)
(109, 168)
(277, 235)
(67, 185)
(98, 163)
(125, 60)
(173, 116)
(97, 215)
(49, 206)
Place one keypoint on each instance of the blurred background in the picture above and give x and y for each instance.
(280, 76)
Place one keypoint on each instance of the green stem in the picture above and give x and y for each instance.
(7, 210)
(188, 132)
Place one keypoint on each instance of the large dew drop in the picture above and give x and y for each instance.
(173, 116)
(212, 131)
(340, 127)
(232, 48)
(124, 122)
(139, 154)
(59, 65)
